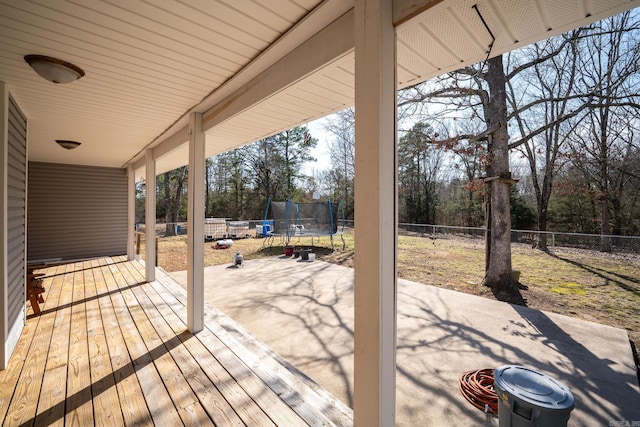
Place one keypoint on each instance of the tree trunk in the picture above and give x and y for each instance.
(498, 274)
(543, 218)
(472, 220)
(178, 199)
(170, 226)
(207, 190)
(605, 229)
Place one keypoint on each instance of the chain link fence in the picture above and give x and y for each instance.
(180, 228)
(552, 239)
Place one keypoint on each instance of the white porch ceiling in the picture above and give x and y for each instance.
(148, 64)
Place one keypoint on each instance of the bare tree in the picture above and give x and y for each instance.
(478, 94)
(173, 184)
(276, 163)
(609, 71)
(545, 106)
(624, 172)
(341, 150)
(419, 163)
(229, 179)
(498, 272)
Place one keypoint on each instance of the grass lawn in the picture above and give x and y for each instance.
(589, 285)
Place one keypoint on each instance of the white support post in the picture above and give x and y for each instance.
(375, 214)
(150, 217)
(131, 212)
(195, 226)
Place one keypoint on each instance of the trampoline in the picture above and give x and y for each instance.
(290, 220)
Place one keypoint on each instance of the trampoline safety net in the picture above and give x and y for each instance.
(306, 219)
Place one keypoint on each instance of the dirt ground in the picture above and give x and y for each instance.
(589, 285)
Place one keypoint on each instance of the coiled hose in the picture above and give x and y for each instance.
(477, 387)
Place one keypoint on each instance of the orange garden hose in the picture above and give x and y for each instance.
(477, 387)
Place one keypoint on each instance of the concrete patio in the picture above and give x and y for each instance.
(304, 311)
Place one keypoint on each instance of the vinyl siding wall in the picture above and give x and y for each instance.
(13, 161)
(76, 212)
(16, 196)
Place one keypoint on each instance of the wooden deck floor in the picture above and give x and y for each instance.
(112, 349)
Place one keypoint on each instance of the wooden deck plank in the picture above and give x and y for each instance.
(155, 394)
(170, 368)
(134, 407)
(106, 404)
(188, 403)
(177, 386)
(79, 403)
(265, 397)
(10, 376)
(58, 298)
(280, 413)
(213, 402)
(295, 388)
(224, 376)
(111, 349)
(298, 390)
(24, 405)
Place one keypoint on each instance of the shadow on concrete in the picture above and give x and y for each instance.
(492, 337)
(303, 309)
(305, 313)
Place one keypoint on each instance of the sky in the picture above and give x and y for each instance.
(321, 151)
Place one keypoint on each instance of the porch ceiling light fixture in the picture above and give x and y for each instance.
(69, 145)
(53, 69)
